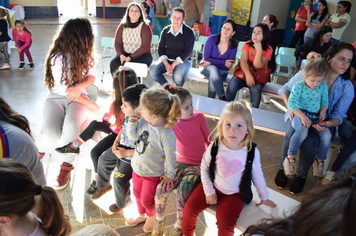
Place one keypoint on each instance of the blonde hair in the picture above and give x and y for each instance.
(160, 102)
(235, 108)
(316, 65)
(96, 230)
(312, 55)
(4, 12)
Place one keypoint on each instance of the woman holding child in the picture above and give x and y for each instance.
(341, 93)
(132, 39)
(219, 55)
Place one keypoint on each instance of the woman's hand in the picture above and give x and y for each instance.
(73, 92)
(204, 63)
(290, 114)
(128, 59)
(122, 58)
(168, 68)
(229, 63)
(166, 182)
(258, 46)
(322, 126)
(174, 64)
(212, 199)
(267, 203)
(250, 81)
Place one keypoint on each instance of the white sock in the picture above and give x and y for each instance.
(177, 226)
(159, 218)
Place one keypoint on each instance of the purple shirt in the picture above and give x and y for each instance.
(211, 53)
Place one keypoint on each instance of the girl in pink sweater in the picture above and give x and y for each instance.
(23, 41)
(192, 134)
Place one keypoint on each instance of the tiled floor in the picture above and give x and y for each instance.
(24, 90)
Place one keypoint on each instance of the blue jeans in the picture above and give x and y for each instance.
(306, 151)
(236, 84)
(216, 80)
(179, 72)
(301, 133)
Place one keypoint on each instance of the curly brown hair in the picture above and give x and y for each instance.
(75, 45)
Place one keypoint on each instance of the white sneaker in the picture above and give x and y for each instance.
(290, 166)
(329, 176)
(266, 99)
(318, 168)
(5, 66)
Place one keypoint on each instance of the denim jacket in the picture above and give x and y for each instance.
(340, 96)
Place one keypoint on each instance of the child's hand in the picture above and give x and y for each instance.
(321, 116)
(306, 121)
(19, 50)
(166, 182)
(133, 117)
(267, 203)
(212, 199)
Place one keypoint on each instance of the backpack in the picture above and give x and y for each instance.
(197, 30)
(245, 184)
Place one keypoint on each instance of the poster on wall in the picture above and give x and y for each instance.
(241, 10)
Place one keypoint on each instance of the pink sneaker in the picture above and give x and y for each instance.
(64, 175)
(133, 221)
(148, 227)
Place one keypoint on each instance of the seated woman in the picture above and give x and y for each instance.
(255, 53)
(219, 55)
(17, 143)
(316, 20)
(70, 69)
(175, 49)
(320, 44)
(341, 93)
(132, 39)
(339, 20)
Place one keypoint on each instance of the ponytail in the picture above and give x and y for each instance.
(162, 103)
(4, 12)
(17, 197)
(51, 213)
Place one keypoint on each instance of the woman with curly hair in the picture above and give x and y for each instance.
(69, 71)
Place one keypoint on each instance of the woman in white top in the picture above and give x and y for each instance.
(69, 71)
(340, 20)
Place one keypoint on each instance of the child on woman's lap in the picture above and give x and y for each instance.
(225, 172)
(309, 102)
(154, 157)
(192, 134)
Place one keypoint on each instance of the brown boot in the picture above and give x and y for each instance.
(100, 192)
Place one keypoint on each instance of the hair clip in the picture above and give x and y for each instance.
(316, 56)
(170, 97)
(124, 68)
(170, 87)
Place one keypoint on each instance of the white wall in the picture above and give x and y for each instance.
(124, 3)
(35, 2)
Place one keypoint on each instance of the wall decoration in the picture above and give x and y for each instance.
(241, 10)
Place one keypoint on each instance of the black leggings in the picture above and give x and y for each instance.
(103, 144)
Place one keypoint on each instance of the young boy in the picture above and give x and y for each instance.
(119, 156)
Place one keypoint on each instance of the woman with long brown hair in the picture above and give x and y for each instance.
(69, 71)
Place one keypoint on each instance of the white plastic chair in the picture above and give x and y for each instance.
(139, 68)
(197, 47)
(202, 40)
(285, 58)
(238, 53)
(154, 43)
(106, 43)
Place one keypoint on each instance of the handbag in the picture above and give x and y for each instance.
(261, 75)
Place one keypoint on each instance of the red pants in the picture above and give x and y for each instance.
(228, 211)
(144, 189)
